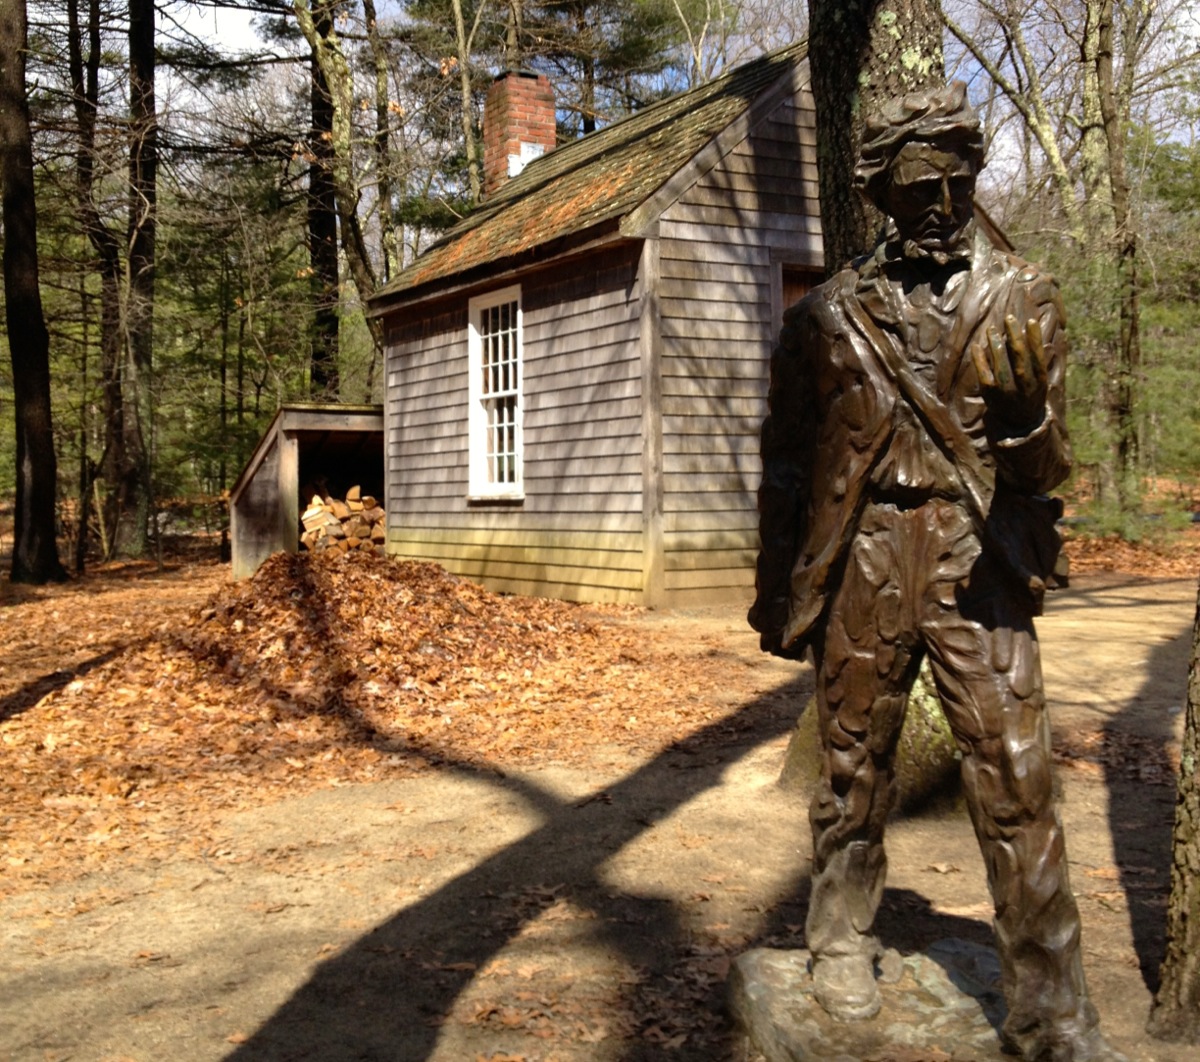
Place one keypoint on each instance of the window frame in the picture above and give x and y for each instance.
(482, 485)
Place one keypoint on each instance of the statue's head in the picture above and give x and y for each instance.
(919, 160)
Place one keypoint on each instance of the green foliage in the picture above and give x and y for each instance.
(227, 346)
(1169, 413)
(1167, 386)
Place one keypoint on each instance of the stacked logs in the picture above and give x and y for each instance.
(356, 523)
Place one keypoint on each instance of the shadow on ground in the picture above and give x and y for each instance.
(388, 994)
(1142, 780)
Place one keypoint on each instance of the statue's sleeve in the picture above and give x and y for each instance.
(1037, 460)
(788, 436)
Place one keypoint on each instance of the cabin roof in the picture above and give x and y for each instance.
(598, 179)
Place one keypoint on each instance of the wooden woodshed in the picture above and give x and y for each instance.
(307, 448)
(577, 372)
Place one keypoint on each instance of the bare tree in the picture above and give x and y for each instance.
(322, 222)
(1081, 75)
(464, 41)
(84, 69)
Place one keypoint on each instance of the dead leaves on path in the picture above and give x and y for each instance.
(324, 669)
(1176, 558)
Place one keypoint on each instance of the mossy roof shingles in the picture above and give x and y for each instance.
(600, 178)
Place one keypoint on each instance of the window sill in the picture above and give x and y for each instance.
(482, 500)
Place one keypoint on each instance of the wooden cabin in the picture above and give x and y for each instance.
(577, 372)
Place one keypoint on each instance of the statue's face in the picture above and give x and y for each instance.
(929, 195)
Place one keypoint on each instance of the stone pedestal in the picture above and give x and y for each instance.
(945, 1004)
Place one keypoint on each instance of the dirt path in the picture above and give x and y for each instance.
(582, 910)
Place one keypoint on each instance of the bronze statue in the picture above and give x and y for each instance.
(916, 416)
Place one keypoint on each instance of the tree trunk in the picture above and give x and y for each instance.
(136, 484)
(85, 82)
(1176, 1011)
(382, 145)
(861, 53)
(339, 82)
(462, 41)
(35, 553)
(322, 227)
(1124, 250)
(514, 35)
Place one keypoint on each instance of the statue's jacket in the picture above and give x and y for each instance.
(870, 396)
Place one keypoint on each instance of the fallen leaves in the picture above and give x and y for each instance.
(1178, 558)
(321, 670)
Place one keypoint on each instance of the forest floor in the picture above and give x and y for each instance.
(369, 811)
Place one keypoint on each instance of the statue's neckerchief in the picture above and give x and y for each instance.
(874, 293)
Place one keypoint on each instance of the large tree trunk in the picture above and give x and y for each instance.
(339, 81)
(35, 553)
(1115, 91)
(862, 52)
(1176, 1011)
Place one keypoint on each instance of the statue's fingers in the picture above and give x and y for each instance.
(1001, 366)
(983, 368)
(1037, 352)
(1018, 352)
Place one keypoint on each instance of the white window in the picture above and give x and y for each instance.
(494, 347)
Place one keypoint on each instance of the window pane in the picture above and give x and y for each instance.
(498, 376)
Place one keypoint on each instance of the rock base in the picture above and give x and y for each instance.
(945, 1004)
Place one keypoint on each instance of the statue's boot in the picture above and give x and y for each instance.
(1065, 1044)
(845, 986)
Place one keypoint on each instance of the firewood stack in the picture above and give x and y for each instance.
(356, 523)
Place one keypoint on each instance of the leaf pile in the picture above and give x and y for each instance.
(324, 669)
(1178, 558)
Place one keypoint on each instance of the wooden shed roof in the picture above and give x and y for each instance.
(327, 418)
(601, 178)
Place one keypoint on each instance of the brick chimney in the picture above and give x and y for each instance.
(518, 126)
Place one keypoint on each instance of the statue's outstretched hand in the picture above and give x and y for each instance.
(1012, 373)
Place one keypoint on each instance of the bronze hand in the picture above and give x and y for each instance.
(1012, 373)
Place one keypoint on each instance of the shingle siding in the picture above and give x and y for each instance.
(723, 243)
(577, 534)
